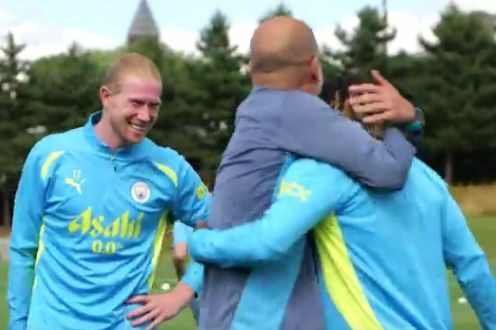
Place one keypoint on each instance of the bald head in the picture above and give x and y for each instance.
(280, 43)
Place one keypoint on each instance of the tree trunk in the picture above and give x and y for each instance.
(448, 168)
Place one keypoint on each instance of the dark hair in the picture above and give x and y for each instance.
(336, 92)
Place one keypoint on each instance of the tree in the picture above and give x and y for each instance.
(12, 71)
(461, 87)
(62, 91)
(365, 48)
(150, 47)
(173, 125)
(178, 122)
(217, 89)
(280, 10)
(12, 77)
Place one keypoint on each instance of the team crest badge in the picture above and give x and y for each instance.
(140, 192)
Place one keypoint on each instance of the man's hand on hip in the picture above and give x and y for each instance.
(158, 308)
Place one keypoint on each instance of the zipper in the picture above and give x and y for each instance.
(112, 160)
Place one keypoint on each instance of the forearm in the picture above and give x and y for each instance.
(469, 264)
(308, 191)
(414, 130)
(27, 231)
(266, 239)
(20, 285)
(180, 267)
(345, 144)
(478, 284)
(183, 295)
(389, 169)
(224, 248)
(193, 276)
(380, 164)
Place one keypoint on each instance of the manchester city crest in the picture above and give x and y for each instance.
(140, 192)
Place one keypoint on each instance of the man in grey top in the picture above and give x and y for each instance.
(283, 115)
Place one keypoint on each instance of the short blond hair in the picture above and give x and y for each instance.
(130, 64)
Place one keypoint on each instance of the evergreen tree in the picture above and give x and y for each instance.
(461, 88)
(218, 88)
(12, 143)
(365, 48)
(62, 90)
(280, 10)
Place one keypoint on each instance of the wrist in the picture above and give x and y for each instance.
(183, 294)
(418, 122)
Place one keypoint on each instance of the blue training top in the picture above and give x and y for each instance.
(88, 228)
(382, 254)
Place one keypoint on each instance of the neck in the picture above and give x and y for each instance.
(281, 81)
(104, 131)
(310, 88)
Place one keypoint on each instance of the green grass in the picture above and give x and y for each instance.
(484, 229)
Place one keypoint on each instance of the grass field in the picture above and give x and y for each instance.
(484, 228)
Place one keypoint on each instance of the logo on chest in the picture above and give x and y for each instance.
(107, 237)
(96, 226)
(140, 192)
(76, 181)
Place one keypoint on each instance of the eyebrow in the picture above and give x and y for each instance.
(140, 100)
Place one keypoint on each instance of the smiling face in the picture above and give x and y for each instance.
(131, 109)
(130, 96)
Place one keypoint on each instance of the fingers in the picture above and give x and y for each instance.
(378, 78)
(377, 118)
(159, 319)
(364, 88)
(152, 314)
(156, 309)
(370, 108)
(138, 299)
(139, 311)
(155, 323)
(366, 98)
(152, 325)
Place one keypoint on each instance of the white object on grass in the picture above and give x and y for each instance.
(165, 287)
(462, 300)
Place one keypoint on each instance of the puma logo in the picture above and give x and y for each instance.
(76, 184)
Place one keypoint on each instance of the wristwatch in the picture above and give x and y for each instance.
(418, 123)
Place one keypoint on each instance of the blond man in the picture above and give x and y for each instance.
(90, 214)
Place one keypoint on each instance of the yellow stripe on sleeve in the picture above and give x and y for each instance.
(167, 171)
(48, 162)
(41, 247)
(157, 247)
(341, 279)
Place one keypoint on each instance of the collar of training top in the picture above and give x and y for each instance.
(129, 151)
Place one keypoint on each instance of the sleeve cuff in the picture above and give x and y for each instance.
(418, 123)
(193, 277)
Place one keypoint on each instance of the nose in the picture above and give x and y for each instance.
(144, 115)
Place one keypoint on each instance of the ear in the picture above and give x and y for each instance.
(249, 68)
(315, 68)
(105, 95)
